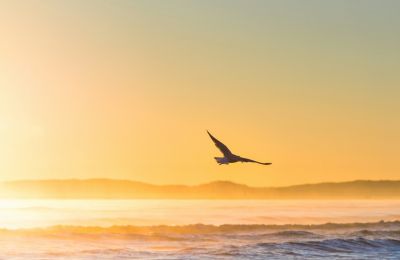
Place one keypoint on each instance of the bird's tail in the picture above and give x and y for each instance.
(221, 160)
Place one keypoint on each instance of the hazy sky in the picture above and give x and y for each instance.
(127, 89)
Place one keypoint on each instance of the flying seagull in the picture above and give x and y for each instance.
(229, 157)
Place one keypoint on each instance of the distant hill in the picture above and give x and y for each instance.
(124, 189)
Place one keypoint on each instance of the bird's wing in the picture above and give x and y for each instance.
(241, 159)
(224, 150)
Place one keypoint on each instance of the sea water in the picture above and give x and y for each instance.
(199, 229)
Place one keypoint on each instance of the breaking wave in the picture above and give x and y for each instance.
(378, 228)
(198, 241)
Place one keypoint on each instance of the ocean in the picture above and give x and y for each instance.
(199, 229)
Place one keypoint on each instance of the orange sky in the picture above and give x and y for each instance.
(127, 90)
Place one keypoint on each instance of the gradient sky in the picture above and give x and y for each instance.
(127, 89)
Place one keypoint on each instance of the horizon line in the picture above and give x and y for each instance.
(204, 183)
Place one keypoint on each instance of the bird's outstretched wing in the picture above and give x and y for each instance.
(224, 150)
(241, 159)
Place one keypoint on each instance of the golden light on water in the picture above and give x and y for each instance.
(119, 214)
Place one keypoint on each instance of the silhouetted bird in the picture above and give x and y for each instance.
(229, 157)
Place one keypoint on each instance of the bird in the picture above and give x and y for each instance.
(229, 157)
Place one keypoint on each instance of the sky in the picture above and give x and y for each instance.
(127, 89)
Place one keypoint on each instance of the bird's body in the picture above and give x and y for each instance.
(229, 157)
